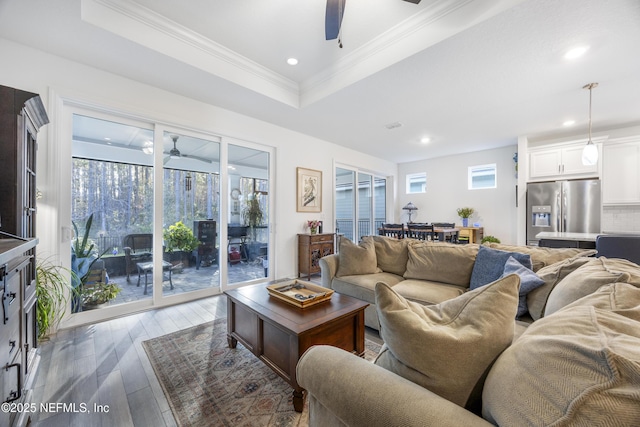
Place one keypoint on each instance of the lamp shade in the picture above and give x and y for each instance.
(410, 207)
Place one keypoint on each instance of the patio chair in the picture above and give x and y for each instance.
(137, 248)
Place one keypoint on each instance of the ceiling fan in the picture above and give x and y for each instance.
(333, 18)
(174, 153)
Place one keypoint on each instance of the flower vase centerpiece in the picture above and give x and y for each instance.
(313, 226)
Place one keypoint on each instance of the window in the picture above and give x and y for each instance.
(482, 176)
(417, 183)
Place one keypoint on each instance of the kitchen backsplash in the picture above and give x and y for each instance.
(620, 219)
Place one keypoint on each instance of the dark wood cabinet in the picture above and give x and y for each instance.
(21, 116)
(312, 247)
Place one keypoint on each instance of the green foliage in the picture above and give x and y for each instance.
(52, 289)
(465, 212)
(252, 212)
(490, 239)
(180, 237)
(84, 249)
(99, 293)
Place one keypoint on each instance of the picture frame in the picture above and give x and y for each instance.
(308, 190)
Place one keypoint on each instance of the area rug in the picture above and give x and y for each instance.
(209, 384)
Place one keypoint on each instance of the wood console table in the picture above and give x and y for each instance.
(475, 233)
(312, 247)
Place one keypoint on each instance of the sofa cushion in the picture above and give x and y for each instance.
(528, 282)
(542, 257)
(552, 275)
(427, 293)
(363, 286)
(489, 265)
(392, 254)
(596, 343)
(444, 263)
(357, 259)
(588, 278)
(447, 343)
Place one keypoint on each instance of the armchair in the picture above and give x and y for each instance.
(137, 248)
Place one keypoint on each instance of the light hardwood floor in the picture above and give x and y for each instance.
(105, 365)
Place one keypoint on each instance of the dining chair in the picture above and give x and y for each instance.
(393, 230)
(448, 238)
(420, 231)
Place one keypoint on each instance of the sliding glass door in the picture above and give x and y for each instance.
(360, 203)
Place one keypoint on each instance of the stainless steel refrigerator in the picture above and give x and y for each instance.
(566, 206)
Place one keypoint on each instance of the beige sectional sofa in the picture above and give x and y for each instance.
(464, 361)
(423, 272)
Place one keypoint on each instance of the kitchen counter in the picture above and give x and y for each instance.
(556, 239)
(556, 235)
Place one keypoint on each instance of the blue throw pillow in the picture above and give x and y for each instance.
(528, 282)
(489, 265)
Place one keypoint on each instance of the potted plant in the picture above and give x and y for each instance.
(99, 294)
(180, 238)
(465, 214)
(490, 239)
(83, 255)
(253, 216)
(52, 290)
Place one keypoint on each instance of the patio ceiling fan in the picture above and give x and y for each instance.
(333, 18)
(174, 153)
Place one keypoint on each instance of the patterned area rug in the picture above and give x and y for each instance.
(209, 384)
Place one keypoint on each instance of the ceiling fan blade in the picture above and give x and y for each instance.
(413, 1)
(166, 160)
(333, 18)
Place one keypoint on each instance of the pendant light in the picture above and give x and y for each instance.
(590, 151)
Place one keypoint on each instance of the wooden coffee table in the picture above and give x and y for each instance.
(278, 333)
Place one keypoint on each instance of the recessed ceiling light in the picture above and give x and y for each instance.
(425, 140)
(292, 61)
(576, 52)
(107, 139)
(569, 123)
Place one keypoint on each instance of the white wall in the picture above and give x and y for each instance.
(50, 76)
(447, 190)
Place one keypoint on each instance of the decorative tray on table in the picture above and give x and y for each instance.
(299, 293)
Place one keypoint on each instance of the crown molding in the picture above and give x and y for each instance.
(150, 29)
(406, 38)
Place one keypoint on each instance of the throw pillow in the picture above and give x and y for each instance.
(356, 259)
(452, 343)
(552, 275)
(579, 366)
(445, 263)
(542, 257)
(489, 265)
(528, 282)
(588, 278)
(391, 254)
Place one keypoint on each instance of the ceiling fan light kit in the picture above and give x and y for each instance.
(590, 151)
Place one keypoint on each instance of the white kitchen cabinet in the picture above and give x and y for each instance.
(560, 162)
(621, 173)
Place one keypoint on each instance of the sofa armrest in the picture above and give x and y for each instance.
(328, 269)
(359, 393)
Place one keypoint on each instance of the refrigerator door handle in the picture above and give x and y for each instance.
(558, 211)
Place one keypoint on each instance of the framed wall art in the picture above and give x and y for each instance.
(309, 190)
